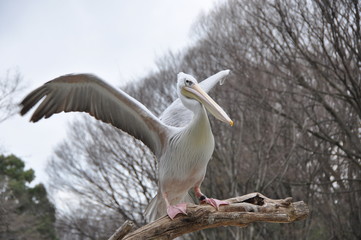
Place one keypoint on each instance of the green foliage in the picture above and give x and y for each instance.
(26, 211)
(13, 167)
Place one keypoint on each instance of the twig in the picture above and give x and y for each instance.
(127, 227)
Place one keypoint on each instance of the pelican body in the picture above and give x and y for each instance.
(181, 138)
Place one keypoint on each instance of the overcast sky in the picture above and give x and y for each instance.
(117, 40)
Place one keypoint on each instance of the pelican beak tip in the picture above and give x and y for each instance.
(231, 123)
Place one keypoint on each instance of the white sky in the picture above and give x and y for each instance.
(117, 40)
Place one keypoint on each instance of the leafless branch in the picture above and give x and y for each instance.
(241, 211)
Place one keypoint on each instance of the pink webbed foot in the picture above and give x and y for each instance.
(214, 202)
(174, 210)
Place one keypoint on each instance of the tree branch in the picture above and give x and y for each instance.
(241, 211)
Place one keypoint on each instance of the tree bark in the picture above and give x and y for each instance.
(241, 211)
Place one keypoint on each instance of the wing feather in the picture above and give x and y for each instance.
(88, 93)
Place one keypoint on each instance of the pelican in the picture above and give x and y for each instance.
(181, 138)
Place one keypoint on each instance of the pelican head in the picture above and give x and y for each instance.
(192, 95)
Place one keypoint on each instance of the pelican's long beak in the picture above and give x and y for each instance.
(196, 92)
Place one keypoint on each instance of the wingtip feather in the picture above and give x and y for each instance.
(31, 99)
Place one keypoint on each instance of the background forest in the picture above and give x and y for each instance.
(294, 93)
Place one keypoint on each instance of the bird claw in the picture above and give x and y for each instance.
(214, 202)
(174, 210)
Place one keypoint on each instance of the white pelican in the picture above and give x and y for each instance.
(181, 138)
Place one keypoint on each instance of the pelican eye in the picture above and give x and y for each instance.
(188, 82)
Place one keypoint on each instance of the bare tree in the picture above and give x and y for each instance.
(86, 222)
(10, 86)
(105, 167)
(297, 68)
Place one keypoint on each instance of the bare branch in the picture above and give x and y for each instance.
(10, 86)
(242, 211)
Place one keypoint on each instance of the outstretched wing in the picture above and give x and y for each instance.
(88, 93)
(177, 115)
(211, 81)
